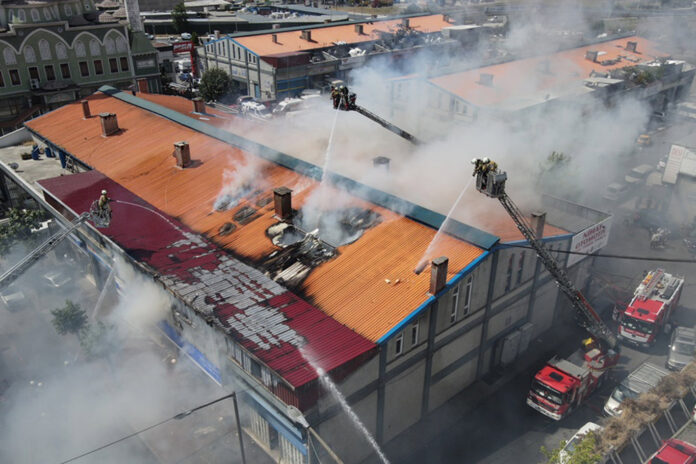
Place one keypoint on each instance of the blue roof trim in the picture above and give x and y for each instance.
(415, 212)
(414, 314)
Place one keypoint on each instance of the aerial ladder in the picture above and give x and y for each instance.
(345, 101)
(100, 215)
(491, 182)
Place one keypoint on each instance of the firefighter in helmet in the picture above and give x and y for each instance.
(335, 96)
(104, 201)
(344, 97)
(477, 162)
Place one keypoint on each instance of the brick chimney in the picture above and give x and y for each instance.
(406, 22)
(182, 153)
(537, 223)
(86, 114)
(381, 162)
(359, 29)
(282, 202)
(275, 26)
(632, 47)
(486, 79)
(438, 274)
(109, 124)
(274, 38)
(306, 35)
(198, 105)
(591, 55)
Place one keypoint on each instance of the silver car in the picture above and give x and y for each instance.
(682, 348)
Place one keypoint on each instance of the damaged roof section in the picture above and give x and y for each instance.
(268, 320)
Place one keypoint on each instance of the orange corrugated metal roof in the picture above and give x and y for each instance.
(523, 77)
(351, 288)
(323, 37)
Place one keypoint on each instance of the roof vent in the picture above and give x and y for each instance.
(282, 202)
(591, 55)
(438, 274)
(538, 221)
(198, 105)
(381, 162)
(406, 22)
(306, 35)
(359, 29)
(486, 79)
(274, 37)
(109, 124)
(446, 18)
(182, 153)
(86, 114)
(632, 47)
(216, 34)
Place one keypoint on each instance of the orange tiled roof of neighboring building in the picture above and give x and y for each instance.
(322, 37)
(528, 76)
(369, 286)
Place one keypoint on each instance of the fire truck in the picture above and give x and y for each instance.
(652, 305)
(562, 384)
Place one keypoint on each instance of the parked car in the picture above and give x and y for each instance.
(682, 348)
(645, 377)
(674, 451)
(12, 298)
(638, 174)
(244, 98)
(567, 450)
(615, 191)
(57, 278)
(186, 36)
(644, 140)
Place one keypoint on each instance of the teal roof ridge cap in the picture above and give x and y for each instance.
(383, 199)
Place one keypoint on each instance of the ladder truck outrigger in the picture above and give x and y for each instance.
(344, 100)
(562, 384)
(100, 215)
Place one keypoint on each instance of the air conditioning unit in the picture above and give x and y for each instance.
(35, 84)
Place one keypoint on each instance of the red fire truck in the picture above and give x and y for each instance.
(562, 384)
(651, 307)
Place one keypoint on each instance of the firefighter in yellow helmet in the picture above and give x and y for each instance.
(104, 201)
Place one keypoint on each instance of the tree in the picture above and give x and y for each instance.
(214, 84)
(19, 227)
(70, 319)
(194, 39)
(180, 18)
(584, 452)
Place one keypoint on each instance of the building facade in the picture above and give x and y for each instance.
(52, 53)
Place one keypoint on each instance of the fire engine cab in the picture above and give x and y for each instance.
(651, 307)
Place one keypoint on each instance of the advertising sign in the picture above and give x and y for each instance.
(182, 47)
(589, 240)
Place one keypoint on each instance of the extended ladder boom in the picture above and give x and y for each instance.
(387, 125)
(491, 182)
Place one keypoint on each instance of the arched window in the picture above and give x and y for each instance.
(35, 16)
(110, 46)
(22, 15)
(121, 46)
(9, 56)
(47, 14)
(29, 54)
(68, 10)
(44, 49)
(80, 49)
(61, 51)
(94, 48)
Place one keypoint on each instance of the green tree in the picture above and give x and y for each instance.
(584, 452)
(214, 84)
(194, 39)
(180, 18)
(19, 226)
(70, 319)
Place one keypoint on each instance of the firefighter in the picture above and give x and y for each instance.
(104, 201)
(477, 162)
(335, 97)
(344, 97)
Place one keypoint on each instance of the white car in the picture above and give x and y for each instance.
(185, 36)
(564, 454)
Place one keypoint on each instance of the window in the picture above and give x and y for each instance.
(65, 70)
(467, 295)
(50, 73)
(68, 10)
(47, 14)
(84, 69)
(124, 63)
(414, 333)
(98, 68)
(113, 65)
(35, 15)
(2, 81)
(508, 275)
(399, 344)
(14, 77)
(455, 304)
(520, 268)
(34, 73)
(21, 14)
(255, 369)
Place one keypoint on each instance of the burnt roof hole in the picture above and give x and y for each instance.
(291, 265)
(245, 215)
(226, 229)
(228, 200)
(339, 227)
(284, 235)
